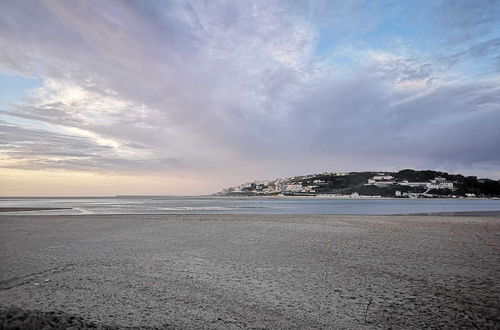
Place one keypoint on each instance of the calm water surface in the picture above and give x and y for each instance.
(220, 205)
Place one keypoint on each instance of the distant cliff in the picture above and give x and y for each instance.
(405, 183)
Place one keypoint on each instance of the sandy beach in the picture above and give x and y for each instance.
(250, 271)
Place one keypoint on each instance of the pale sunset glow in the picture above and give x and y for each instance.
(32, 183)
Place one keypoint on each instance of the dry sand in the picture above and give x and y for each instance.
(250, 271)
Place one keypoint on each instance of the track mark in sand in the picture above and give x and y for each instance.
(228, 321)
(27, 279)
(368, 306)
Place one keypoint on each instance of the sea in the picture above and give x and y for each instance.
(246, 205)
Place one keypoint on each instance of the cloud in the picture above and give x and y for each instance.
(238, 88)
(36, 149)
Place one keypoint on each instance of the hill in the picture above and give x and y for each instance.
(405, 183)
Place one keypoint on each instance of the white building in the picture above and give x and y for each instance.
(381, 180)
(292, 188)
(309, 189)
(439, 183)
(412, 184)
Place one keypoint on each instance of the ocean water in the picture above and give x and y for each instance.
(224, 205)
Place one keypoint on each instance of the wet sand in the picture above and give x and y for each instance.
(24, 209)
(250, 271)
(457, 214)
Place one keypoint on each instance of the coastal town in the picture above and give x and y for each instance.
(402, 184)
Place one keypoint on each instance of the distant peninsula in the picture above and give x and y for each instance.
(406, 183)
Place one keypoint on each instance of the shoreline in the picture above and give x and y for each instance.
(454, 214)
(342, 197)
(325, 196)
(485, 213)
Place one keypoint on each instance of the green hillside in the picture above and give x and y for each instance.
(403, 183)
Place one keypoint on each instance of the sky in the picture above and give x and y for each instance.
(187, 97)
